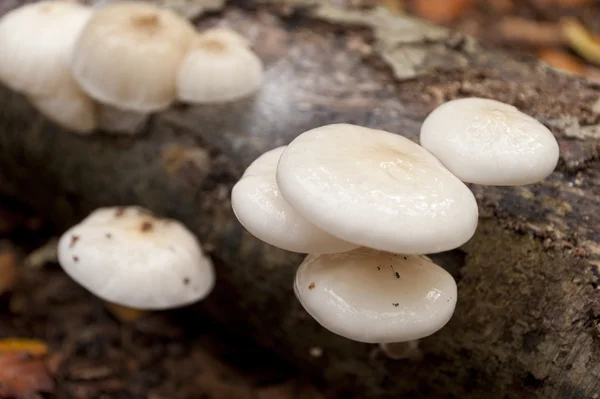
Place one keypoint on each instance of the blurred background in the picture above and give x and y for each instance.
(563, 33)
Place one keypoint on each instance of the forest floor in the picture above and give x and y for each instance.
(57, 340)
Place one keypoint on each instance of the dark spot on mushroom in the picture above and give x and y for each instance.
(108, 235)
(75, 258)
(405, 258)
(396, 304)
(74, 240)
(146, 227)
(378, 267)
(312, 286)
(186, 281)
(119, 212)
(397, 275)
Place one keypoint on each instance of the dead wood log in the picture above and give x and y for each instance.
(527, 323)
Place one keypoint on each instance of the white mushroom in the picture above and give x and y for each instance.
(69, 107)
(376, 297)
(488, 142)
(261, 209)
(128, 55)
(376, 189)
(36, 41)
(130, 257)
(218, 69)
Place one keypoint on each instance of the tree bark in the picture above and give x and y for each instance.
(527, 319)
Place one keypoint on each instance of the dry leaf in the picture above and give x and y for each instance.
(8, 269)
(566, 3)
(562, 60)
(31, 347)
(441, 11)
(23, 369)
(533, 33)
(581, 40)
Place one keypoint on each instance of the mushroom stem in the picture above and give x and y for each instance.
(114, 120)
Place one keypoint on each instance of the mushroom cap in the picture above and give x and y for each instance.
(217, 70)
(36, 41)
(376, 297)
(128, 54)
(488, 142)
(260, 208)
(376, 189)
(69, 107)
(130, 257)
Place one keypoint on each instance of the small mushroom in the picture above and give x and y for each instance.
(129, 257)
(488, 142)
(36, 41)
(376, 297)
(219, 68)
(376, 189)
(262, 210)
(128, 55)
(69, 107)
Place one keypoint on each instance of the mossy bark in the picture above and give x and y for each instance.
(527, 320)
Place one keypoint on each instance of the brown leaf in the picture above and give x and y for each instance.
(529, 32)
(31, 347)
(562, 60)
(8, 269)
(441, 11)
(581, 40)
(22, 374)
(566, 3)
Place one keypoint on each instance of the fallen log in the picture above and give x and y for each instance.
(527, 323)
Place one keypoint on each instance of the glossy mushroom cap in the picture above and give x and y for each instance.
(128, 55)
(127, 256)
(376, 297)
(218, 69)
(262, 210)
(36, 42)
(488, 142)
(376, 189)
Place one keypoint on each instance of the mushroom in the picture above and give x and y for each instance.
(69, 107)
(488, 142)
(36, 41)
(260, 208)
(376, 189)
(128, 54)
(127, 256)
(376, 297)
(219, 68)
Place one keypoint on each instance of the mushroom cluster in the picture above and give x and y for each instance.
(76, 63)
(129, 257)
(367, 205)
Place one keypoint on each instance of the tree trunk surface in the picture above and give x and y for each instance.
(527, 323)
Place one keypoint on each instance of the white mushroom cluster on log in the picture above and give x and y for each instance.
(132, 58)
(342, 185)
